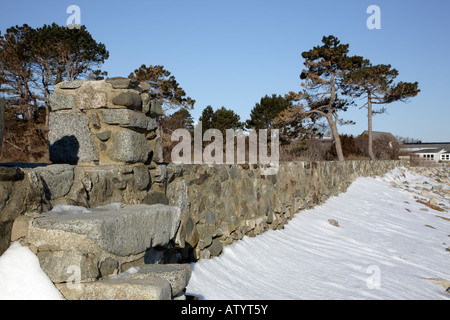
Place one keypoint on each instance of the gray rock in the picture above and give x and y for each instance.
(95, 120)
(156, 197)
(141, 177)
(60, 265)
(61, 101)
(119, 289)
(104, 135)
(215, 248)
(178, 275)
(70, 84)
(129, 146)
(70, 138)
(130, 230)
(128, 119)
(122, 83)
(57, 179)
(91, 100)
(146, 103)
(108, 267)
(128, 99)
(155, 108)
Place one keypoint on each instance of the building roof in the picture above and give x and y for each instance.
(379, 134)
(432, 147)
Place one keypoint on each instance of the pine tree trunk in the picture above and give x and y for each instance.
(369, 130)
(337, 139)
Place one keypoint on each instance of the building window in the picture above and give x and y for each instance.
(445, 157)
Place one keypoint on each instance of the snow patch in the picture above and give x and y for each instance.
(21, 277)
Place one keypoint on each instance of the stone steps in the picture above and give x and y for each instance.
(85, 252)
(147, 282)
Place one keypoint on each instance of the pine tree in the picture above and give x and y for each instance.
(163, 86)
(376, 85)
(326, 66)
(263, 114)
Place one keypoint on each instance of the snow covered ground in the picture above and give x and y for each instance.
(387, 246)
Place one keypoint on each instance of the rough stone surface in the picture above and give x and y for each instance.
(128, 99)
(128, 231)
(156, 197)
(155, 108)
(119, 289)
(70, 139)
(178, 275)
(141, 177)
(215, 248)
(128, 119)
(104, 135)
(61, 101)
(91, 100)
(122, 83)
(57, 179)
(58, 265)
(130, 147)
(70, 84)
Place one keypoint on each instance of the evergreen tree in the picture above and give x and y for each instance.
(223, 119)
(326, 66)
(32, 61)
(263, 114)
(376, 85)
(206, 119)
(179, 119)
(220, 119)
(163, 86)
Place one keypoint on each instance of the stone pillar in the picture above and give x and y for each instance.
(104, 122)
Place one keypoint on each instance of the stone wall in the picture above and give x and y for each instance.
(103, 122)
(219, 204)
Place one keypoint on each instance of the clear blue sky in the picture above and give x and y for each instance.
(232, 53)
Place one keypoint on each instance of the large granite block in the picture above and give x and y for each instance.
(70, 139)
(129, 146)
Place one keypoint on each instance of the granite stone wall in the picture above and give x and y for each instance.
(219, 204)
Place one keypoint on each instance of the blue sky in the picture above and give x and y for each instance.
(232, 53)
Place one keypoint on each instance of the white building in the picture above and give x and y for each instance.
(437, 152)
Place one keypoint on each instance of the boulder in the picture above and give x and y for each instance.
(70, 138)
(70, 84)
(128, 119)
(129, 146)
(57, 265)
(91, 100)
(130, 100)
(122, 83)
(178, 275)
(124, 232)
(57, 179)
(155, 288)
(61, 101)
(155, 108)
